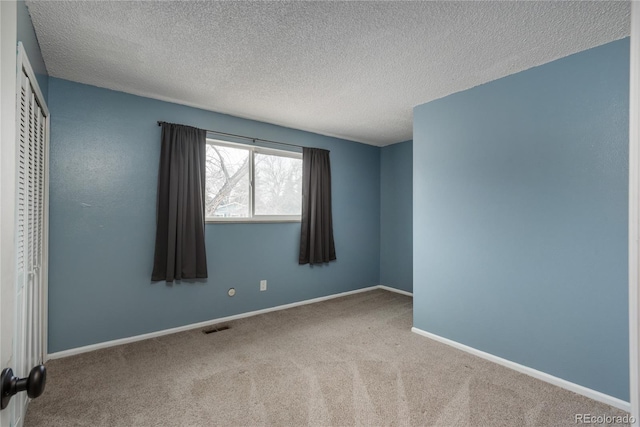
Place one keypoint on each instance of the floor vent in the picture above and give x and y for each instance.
(214, 329)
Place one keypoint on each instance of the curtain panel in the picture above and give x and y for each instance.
(316, 233)
(180, 248)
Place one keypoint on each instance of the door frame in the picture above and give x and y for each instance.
(634, 213)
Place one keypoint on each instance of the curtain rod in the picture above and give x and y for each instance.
(245, 137)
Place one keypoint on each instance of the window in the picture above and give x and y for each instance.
(248, 183)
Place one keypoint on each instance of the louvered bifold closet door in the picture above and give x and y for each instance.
(30, 220)
(22, 216)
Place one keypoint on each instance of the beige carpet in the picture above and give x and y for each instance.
(347, 361)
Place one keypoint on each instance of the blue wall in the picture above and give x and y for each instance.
(105, 149)
(520, 218)
(27, 35)
(396, 216)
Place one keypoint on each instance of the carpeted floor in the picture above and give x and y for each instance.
(346, 361)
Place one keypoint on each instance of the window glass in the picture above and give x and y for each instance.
(278, 182)
(276, 175)
(228, 189)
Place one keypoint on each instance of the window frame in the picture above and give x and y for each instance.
(253, 150)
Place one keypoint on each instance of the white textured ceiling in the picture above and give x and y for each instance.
(349, 69)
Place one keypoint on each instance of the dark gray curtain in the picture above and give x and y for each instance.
(316, 234)
(180, 252)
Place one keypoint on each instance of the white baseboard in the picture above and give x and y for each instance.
(398, 291)
(568, 385)
(106, 344)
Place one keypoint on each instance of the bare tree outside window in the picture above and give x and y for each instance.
(278, 185)
(227, 182)
(277, 182)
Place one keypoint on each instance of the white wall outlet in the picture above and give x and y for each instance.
(263, 285)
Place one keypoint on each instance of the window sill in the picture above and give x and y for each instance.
(250, 221)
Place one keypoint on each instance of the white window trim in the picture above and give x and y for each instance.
(257, 219)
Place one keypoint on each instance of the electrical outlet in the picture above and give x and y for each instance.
(263, 285)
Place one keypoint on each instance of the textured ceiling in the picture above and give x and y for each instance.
(349, 69)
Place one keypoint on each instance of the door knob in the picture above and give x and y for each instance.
(33, 384)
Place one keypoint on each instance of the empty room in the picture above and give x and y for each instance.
(326, 213)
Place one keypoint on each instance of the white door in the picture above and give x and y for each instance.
(8, 19)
